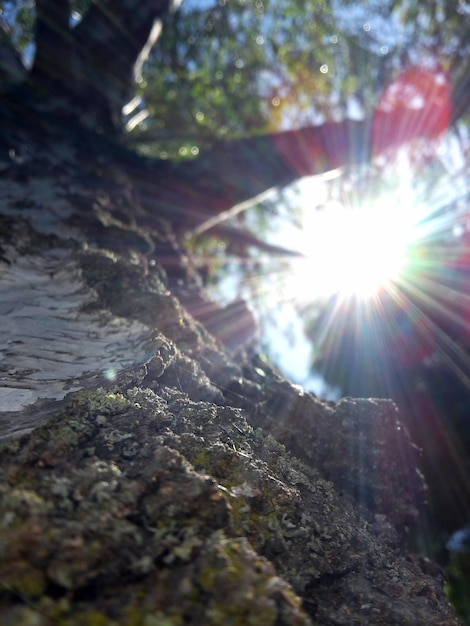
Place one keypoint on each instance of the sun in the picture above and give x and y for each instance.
(368, 249)
(354, 250)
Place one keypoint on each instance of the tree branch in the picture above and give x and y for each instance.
(233, 175)
(461, 99)
(12, 69)
(113, 39)
(53, 42)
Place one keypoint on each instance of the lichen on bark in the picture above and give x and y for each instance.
(162, 479)
(202, 488)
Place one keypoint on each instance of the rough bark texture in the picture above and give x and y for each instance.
(181, 484)
(149, 476)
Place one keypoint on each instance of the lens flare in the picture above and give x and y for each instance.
(354, 250)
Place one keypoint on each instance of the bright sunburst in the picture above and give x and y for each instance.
(355, 250)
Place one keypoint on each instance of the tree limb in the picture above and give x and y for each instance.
(53, 42)
(113, 38)
(233, 175)
(94, 65)
(230, 177)
(12, 69)
(461, 99)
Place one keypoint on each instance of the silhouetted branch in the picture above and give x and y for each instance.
(53, 40)
(461, 98)
(96, 61)
(12, 69)
(233, 175)
(114, 39)
(240, 239)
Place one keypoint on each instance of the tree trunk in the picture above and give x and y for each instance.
(149, 475)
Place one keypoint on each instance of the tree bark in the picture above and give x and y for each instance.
(149, 474)
(95, 61)
(172, 481)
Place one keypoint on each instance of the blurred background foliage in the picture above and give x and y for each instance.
(232, 68)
